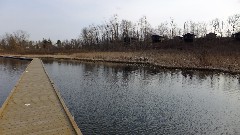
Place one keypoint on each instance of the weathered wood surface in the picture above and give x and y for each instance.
(35, 107)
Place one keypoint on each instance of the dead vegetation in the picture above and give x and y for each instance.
(169, 58)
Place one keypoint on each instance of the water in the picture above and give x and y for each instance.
(10, 71)
(122, 99)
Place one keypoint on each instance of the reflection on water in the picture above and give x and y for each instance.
(122, 99)
(10, 71)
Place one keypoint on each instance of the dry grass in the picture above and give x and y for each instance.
(167, 57)
(171, 58)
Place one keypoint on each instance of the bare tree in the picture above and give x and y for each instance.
(114, 24)
(84, 36)
(126, 28)
(173, 28)
(16, 41)
(186, 27)
(193, 27)
(21, 36)
(163, 29)
(202, 28)
(144, 28)
(234, 22)
(215, 24)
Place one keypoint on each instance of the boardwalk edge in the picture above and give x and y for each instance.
(12, 91)
(70, 117)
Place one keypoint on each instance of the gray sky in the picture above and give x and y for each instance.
(64, 19)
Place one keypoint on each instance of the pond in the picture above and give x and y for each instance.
(10, 71)
(134, 99)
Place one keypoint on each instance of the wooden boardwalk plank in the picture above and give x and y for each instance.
(35, 107)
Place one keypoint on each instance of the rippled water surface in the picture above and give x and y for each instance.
(124, 99)
(10, 71)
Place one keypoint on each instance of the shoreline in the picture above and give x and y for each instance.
(149, 61)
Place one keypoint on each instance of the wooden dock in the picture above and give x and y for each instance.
(34, 107)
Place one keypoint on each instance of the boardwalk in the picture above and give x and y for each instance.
(35, 108)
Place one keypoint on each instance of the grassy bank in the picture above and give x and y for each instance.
(172, 59)
(204, 60)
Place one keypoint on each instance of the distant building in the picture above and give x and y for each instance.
(236, 36)
(188, 37)
(178, 38)
(211, 36)
(130, 40)
(157, 38)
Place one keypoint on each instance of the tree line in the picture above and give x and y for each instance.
(116, 34)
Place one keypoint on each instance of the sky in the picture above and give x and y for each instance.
(64, 19)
